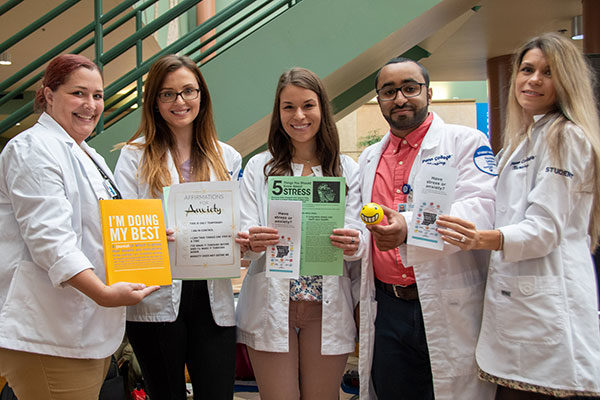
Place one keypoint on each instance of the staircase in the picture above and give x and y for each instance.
(343, 41)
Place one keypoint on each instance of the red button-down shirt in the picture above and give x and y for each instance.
(392, 172)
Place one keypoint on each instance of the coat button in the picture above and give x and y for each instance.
(283, 298)
(327, 301)
(503, 209)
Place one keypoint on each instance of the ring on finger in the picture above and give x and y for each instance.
(352, 240)
(463, 239)
(255, 236)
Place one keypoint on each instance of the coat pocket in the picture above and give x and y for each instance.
(463, 310)
(252, 305)
(529, 309)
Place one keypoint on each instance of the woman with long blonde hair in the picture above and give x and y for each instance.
(191, 322)
(540, 337)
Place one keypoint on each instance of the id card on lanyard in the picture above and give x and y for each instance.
(109, 185)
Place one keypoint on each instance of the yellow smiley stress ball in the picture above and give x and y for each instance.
(371, 213)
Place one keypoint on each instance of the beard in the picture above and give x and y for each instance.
(405, 122)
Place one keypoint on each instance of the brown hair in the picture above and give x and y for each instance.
(159, 140)
(57, 72)
(279, 143)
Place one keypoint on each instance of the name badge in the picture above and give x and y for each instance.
(110, 189)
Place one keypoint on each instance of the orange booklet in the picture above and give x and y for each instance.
(135, 242)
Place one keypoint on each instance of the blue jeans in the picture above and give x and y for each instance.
(401, 369)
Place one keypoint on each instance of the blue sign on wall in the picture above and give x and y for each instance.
(483, 119)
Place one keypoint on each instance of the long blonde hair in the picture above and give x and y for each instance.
(159, 141)
(573, 81)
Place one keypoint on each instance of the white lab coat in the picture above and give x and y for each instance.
(163, 305)
(540, 322)
(450, 282)
(263, 307)
(49, 192)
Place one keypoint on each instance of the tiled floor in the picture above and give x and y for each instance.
(352, 364)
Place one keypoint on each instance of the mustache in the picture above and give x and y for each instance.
(405, 106)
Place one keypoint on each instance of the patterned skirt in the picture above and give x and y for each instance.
(527, 387)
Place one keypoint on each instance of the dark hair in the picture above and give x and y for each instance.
(206, 152)
(57, 72)
(279, 143)
(397, 60)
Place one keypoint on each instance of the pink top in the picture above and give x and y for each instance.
(392, 173)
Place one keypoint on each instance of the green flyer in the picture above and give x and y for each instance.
(323, 210)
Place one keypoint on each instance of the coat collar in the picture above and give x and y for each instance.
(53, 128)
(298, 168)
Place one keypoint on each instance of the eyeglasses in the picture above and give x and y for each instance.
(408, 90)
(169, 96)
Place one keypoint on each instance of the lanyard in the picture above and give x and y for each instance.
(108, 183)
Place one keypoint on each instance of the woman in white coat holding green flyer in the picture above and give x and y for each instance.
(192, 321)
(299, 332)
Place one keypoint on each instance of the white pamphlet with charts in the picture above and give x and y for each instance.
(283, 259)
(433, 196)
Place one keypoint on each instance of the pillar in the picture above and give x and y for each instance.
(205, 10)
(498, 72)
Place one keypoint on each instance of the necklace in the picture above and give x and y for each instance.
(308, 162)
(182, 173)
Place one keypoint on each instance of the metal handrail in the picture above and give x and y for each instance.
(188, 39)
(148, 30)
(222, 31)
(238, 32)
(35, 25)
(177, 46)
(9, 5)
(27, 109)
(89, 28)
(224, 20)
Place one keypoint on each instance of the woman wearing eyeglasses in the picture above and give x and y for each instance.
(191, 322)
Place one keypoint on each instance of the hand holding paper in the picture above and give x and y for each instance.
(459, 232)
(115, 295)
(243, 239)
(261, 237)
(170, 235)
(393, 234)
(346, 239)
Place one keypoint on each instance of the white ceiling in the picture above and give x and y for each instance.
(498, 28)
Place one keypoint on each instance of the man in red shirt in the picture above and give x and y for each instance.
(422, 333)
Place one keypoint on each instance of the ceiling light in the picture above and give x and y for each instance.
(5, 58)
(577, 28)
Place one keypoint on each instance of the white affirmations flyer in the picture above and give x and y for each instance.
(433, 196)
(206, 219)
(283, 259)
